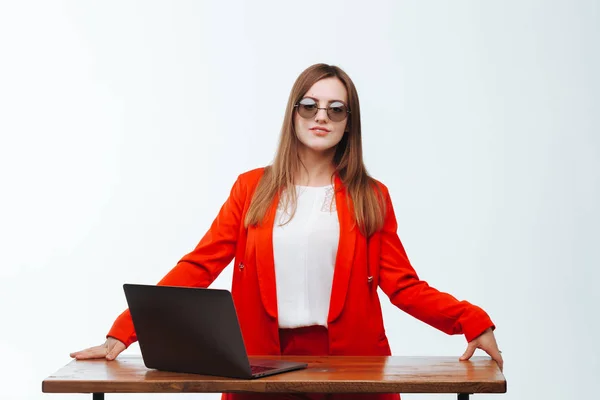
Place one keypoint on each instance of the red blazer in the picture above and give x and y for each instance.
(355, 320)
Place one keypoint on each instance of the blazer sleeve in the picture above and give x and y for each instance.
(399, 281)
(200, 267)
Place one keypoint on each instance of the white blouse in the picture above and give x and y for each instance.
(304, 251)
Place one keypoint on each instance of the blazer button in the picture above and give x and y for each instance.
(369, 279)
(241, 265)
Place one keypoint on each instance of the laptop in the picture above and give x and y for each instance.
(194, 330)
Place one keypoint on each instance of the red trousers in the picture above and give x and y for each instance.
(311, 341)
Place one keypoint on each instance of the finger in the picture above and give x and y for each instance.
(114, 352)
(495, 354)
(469, 352)
(88, 355)
(79, 353)
(498, 358)
(75, 353)
(95, 352)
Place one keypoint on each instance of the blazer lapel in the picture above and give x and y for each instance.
(345, 252)
(265, 264)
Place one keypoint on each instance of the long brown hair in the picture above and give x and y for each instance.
(369, 209)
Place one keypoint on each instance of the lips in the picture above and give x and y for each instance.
(320, 130)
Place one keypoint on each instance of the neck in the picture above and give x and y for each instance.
(317, 168)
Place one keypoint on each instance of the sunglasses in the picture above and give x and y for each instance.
(308, 108)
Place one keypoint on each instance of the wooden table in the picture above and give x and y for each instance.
(333, 374)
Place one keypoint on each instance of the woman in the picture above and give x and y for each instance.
(313, 236)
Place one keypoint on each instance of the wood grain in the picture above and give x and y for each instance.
(332, 374)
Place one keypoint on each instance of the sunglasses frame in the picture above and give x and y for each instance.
(348, 111)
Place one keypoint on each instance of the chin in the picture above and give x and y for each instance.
(320, 149)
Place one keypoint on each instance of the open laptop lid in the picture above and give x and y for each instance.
(191, 330)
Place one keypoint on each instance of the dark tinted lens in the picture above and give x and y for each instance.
(307, 108)
(337, 111)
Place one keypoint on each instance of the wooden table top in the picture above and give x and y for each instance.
(332, 374)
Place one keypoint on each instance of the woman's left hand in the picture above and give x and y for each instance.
(486, 342)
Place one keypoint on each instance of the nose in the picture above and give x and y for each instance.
(321, 115)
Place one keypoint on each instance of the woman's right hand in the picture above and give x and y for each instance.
(109, 350)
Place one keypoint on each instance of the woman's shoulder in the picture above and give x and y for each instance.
(379, 185)
(246, 182)
(255, 173)
(252, 176)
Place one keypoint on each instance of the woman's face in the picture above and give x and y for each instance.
(319, 133)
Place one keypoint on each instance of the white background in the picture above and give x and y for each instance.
(124, 124)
